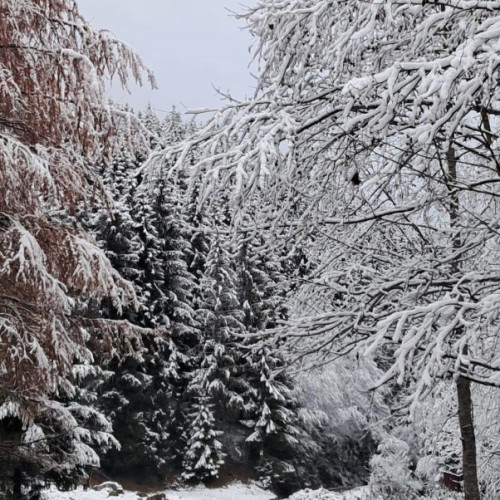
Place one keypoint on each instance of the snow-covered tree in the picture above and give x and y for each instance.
(168, 292)
(216, 357)
(54, 113)
(152, 123)
(373, 131)
(435, 444)
(145, 236)
(352, 417)
(261, 283)
(391, 476)
(281, 443)
(174, 129)
(203, 455)
(138, 398)
(221, 320)
(277, 435)
(113, 224)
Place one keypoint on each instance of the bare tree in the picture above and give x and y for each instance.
(373, 135)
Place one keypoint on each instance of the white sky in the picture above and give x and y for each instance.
(191, 45)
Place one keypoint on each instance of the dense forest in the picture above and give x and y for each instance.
(299, 289)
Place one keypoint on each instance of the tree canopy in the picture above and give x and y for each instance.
(371, 142)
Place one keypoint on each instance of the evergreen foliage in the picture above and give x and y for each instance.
(203, 455)
(145, 241)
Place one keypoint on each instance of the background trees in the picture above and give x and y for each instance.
(143, 234)
(188, 404)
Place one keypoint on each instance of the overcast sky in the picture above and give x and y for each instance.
(191, 45)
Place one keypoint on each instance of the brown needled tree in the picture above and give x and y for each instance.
(53, 120)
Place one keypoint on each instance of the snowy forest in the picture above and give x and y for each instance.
(299, 291)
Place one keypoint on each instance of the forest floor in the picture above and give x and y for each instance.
(235, 491)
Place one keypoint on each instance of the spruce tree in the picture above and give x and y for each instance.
(153, 125)
(217, 354)
(133, 397)
(221, 321)
(278, 435)
(173, 128)
(282, 448)
(203, 455)
(148, 242)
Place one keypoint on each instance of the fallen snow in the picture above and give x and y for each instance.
(80, 494)
(322, 494)
(236, 491)
(362, 493)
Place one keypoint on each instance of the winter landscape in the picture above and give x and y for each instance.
(293, 294)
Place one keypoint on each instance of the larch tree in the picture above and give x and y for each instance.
(53, 115)
(373, 133)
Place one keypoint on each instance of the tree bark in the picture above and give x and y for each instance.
(465, 414)
(17, 483)
(466, 419)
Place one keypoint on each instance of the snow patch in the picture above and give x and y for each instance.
(236, 491)
(361, 493)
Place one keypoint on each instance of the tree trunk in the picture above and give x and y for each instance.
(465, 416)
(17, 484)
(466, 419)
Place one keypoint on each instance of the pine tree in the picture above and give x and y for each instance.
(203, 455)
(136, 396)
(272, 412)
(280, 443)
(137, 399)
(169, 286)
(113, 223)
(148, 243)
(221, 320)
(174, 129)
(153, 125)
(261, 283)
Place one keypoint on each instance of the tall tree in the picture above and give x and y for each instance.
(220, 316)
(277, 434)
(53, 113)
(384, 153)
(147, 240)
(203, 454)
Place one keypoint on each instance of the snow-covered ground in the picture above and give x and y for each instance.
(362, 493)
(322, 494)
(236, 491)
